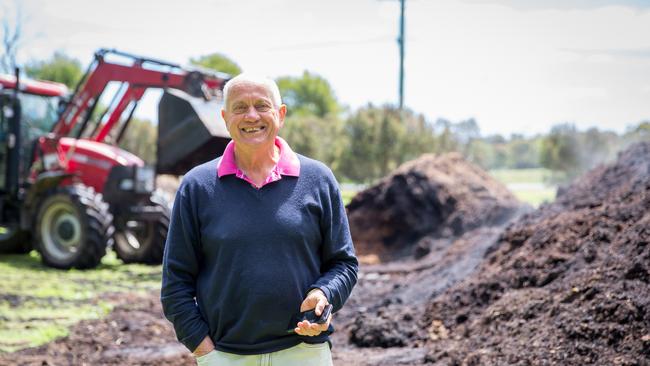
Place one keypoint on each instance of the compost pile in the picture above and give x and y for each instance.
(430, 224)
(434, 196)
(567, 284)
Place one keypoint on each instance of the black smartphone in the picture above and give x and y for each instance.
(311, 316)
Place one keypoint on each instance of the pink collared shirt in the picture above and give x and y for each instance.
(287, 165)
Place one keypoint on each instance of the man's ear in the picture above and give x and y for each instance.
(223, 114)
(282, 112)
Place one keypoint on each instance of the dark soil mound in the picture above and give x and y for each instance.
(568, 284)
(439, 196)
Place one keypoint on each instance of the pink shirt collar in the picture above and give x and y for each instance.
(287, 165)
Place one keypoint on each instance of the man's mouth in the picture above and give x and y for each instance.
(252, 129)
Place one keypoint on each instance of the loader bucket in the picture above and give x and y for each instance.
(191, 131)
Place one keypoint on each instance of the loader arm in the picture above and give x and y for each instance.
(140, 75)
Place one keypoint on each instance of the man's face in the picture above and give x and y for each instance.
(251, 117)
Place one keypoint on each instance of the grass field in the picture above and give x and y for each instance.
(528, 185)
(347, 195)
(511, 176)
(535, 197)
(39, 304)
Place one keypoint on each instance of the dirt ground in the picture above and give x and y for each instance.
(567, 284)
(134, 333)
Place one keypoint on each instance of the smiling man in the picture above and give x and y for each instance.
(257, 236)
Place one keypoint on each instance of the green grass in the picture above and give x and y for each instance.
(528, 185)
(510, 176)
(535, 197)
(347, 195)
(39, 304)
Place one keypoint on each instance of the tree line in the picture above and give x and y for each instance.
(363, 144)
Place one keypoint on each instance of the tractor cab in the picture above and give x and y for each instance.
(29, 109)
(37, 105)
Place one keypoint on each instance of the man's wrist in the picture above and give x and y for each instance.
(315, 290)
(206, 346)
(202, 352)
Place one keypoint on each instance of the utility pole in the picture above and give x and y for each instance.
(400, 42)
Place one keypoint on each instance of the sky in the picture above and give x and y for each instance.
(515, 66)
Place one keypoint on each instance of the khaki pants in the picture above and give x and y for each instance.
(301, 355)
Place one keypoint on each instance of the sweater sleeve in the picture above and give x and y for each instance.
(179, 275)
(339, 263)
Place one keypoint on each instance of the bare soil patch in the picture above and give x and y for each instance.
(134, 333)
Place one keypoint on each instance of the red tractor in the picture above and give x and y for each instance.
(67, 190)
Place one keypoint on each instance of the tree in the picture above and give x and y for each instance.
(560, 150)
(381, 138)
(218, 62)
(12, 32)
(308, 94)
(466, 131)
(596, 147)
(642, 127)
(447, 141)
(417, 137)
(482, 153)
(522, 152)
(319, 138)
(640, 132)
(359, 163)
(60, 68)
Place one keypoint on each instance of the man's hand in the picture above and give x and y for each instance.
(315, 300)
(206, 346)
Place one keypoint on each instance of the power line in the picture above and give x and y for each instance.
(328, 44)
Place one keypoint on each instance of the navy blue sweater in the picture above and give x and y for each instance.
(239, 260)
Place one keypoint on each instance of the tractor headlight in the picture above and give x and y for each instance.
(145, 179)
(50, 161)
(126, 184)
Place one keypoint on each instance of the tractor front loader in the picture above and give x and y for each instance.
(67, 190)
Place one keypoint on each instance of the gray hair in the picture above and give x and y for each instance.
(246, 78)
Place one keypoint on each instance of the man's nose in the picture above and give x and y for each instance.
(251, 113)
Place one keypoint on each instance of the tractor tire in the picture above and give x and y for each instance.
(73, 228)
(143, 241)
(14, 241)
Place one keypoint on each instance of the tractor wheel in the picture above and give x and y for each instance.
(14, 241)
(140, 241)
(72, 228)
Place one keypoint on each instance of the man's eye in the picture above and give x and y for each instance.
(239, 109)
(263, 107)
